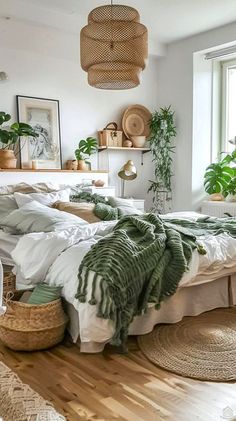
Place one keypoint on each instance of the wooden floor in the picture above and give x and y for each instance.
(116, 387)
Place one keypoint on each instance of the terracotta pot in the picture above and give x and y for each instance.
(82, 166)
(7, 159)
(216, 197)
(71, 164)
(99, 183)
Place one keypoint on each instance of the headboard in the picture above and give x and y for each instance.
(53, 176)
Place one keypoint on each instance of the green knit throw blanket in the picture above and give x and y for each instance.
(203, 225)
(140, 262)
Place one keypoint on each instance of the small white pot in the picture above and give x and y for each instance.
(231, 198)
(138, 141)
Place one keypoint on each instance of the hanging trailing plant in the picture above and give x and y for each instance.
(162, 131)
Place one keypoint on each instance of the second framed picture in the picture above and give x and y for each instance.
(43, 152)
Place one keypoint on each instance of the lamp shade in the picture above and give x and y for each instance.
(114, 47)
(128, 171)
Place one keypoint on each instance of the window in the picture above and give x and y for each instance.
(228, 105)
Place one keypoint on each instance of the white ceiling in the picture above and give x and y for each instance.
(167, 20)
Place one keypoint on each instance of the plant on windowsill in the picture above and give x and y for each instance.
(220, 179)
(162, 132)
(86, 148)
(230, 191)
(9, 138)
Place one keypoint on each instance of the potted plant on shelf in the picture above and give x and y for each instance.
(162, 132)
(220, 179)
(85, 149)
(9, 137)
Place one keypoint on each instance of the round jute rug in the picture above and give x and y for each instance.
(201, 347)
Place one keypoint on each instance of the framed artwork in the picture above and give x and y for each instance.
(43, 152)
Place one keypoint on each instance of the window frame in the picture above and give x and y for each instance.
(225, 66)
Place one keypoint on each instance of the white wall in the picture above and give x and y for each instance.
(175, 87)
(44, 62)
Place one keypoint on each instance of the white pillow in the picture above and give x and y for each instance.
(125, 206)
(35, 217)
(7, 205)
(46, 199)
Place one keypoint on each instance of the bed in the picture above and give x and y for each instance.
(55, 256)
(210, 282)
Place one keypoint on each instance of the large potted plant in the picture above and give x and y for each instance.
(9, 137)
(162, 131)
(219, 178)
(85, 149)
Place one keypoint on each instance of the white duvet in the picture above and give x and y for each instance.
(55, 257)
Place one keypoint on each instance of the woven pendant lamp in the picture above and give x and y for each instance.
(114, 47)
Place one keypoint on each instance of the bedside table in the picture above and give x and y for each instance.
(139, 204)
(103, 191)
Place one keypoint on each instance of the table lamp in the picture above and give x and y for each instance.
(127, 173)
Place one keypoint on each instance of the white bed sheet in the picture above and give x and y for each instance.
(7, 244)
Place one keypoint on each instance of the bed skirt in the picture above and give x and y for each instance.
(187, 301)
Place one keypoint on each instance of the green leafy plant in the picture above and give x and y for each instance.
(219, 177)
(162, 131)
(88, 197)
(86, 148)
(9, 136)
(231, 188)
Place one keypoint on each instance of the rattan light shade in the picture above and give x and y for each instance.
(114, 47)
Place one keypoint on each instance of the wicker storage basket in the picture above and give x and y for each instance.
(26, 327)
(9, 283)
(110, 136)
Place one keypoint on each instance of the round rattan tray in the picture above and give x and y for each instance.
(136, 120)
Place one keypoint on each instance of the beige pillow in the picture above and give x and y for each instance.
(28, 188)
(83, 210)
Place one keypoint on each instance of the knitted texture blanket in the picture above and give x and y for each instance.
(140, 262)
(203, 225)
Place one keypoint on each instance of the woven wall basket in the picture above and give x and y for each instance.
(26, 327)
(114, 47)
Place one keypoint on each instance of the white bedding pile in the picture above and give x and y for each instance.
(56, 256)
(12, 198)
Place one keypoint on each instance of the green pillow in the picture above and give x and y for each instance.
(105, 212)
(43, 294)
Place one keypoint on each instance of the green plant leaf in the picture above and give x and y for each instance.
(4, 117)
(88, 146)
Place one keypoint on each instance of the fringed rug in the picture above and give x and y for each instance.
(19, 402)
(201, 347)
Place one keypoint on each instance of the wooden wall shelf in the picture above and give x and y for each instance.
(122, 148)
(59, 171)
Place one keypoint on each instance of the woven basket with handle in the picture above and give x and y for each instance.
(27, 327)
(110, 136)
